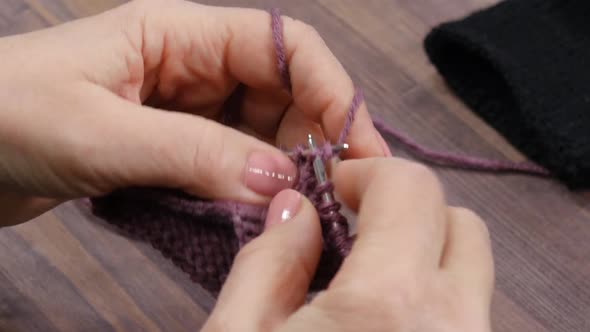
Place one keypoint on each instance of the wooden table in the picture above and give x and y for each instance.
(65, 271)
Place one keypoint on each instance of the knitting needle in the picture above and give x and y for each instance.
(319, 169)
(337, 148)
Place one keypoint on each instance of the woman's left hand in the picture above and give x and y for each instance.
(86, 106)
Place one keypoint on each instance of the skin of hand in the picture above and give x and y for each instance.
(133, 97)
(416, 265)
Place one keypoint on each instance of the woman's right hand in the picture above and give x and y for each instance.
(417, 263)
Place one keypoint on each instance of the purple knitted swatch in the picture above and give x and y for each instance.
(202, 236)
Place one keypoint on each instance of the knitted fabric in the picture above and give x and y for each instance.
(202, 237)
(523, 66)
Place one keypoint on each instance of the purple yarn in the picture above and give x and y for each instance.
(443, 158)
(334, 225)
(460, 161)
(356, 103)
(202, 237)
(277, 36)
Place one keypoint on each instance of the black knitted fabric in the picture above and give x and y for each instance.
(524, 67)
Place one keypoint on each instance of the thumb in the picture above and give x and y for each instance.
(146, 146)
(271, 275)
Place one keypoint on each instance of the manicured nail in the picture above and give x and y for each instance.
(283, 207)
(268, 174)
(384, 145)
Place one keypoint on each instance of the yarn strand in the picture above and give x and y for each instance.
(356, 103)
(457, 160)
(420, 151)
(279, 44)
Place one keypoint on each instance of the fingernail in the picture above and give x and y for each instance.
(268, 174)
(384, 145)
(283, 207)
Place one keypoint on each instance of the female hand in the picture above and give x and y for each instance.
(417, 264)
(131, 98)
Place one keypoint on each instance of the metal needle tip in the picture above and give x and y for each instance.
(339, 148)
(320, 171)
(336, 148)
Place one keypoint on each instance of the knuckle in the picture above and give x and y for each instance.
(419, 173)
(411, 173)
(311, 32)
(258, 249)
(267, 251)
(482, 229)
(151, 8)
(217, 322)
(396, 302)
(464, 213)
(147, 3)
(306, 31)
(136, 11)
(248, 253)
(468, 218)
(404, 292)
(142, 4)
(205, 157)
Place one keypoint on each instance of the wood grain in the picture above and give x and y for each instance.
(66, 271)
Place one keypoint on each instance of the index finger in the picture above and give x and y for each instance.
(320, 86)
